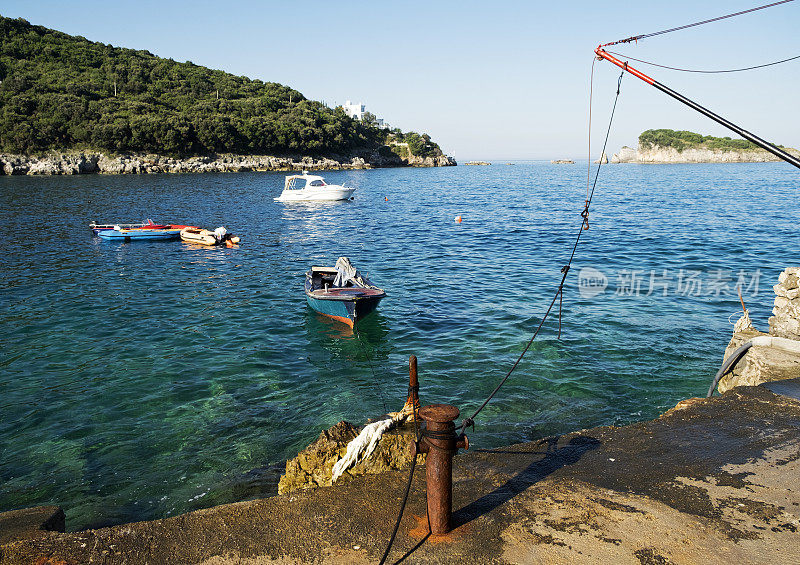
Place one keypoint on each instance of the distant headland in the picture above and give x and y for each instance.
(669, 146)
(71, 105)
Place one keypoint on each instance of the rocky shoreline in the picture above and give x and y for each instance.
(661, 155)
(93, 162)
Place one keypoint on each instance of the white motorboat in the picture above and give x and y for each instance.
(312, 187)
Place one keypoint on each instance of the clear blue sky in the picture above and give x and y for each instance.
(485, 80)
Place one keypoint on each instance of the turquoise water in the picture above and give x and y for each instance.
(147, 379)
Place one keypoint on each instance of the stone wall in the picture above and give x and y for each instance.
(785, 321)
(764, 364)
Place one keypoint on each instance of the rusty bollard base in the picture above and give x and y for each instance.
(440, 443)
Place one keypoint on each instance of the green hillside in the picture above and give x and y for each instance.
(681, 140)
(66, 92)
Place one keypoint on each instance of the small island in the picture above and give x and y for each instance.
(670, 146)
(562, 162)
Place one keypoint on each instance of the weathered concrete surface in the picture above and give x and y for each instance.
(29, 523)
(712, 482)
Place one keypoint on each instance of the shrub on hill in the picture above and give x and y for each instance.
(681, 140)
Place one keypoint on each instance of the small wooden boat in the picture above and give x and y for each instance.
(341, 292)
(207, 237)
(118, 233)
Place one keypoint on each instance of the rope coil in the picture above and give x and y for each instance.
(443, 435)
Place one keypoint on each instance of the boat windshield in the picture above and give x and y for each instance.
(317, 183)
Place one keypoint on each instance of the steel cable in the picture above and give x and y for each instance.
(707, 72)
(638, 37)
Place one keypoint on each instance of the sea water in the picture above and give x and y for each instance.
(145, 379)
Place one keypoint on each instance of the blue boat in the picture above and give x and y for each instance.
(341, 292)
(123, 234)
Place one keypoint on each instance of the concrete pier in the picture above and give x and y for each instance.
(712, 481)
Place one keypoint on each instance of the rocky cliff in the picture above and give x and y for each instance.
(657, 154)
(74, 163)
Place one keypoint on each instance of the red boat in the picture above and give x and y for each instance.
(148, 225)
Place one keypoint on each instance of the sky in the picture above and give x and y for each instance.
(499, 80)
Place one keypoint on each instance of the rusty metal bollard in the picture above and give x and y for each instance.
(440, 442)
(412, 402)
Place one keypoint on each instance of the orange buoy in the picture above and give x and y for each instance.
(458, 219)
(386, 198)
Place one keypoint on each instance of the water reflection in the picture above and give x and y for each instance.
(337, 337)
(302, 221)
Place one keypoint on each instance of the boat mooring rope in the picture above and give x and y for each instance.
(371, 368)
(559, 294)
(417, 438)
(470, 421)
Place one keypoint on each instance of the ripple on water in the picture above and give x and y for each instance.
(146, 379)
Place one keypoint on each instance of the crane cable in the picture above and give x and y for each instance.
(718, 18)
(700, 71)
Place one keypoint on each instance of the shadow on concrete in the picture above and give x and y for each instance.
(551, 460)
(413, 549)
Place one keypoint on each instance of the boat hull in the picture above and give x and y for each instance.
(327, 193)
(139, 234)
(346, 305)
(97, 228)
(199, 236)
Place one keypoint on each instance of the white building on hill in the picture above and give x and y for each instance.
(357, 111)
